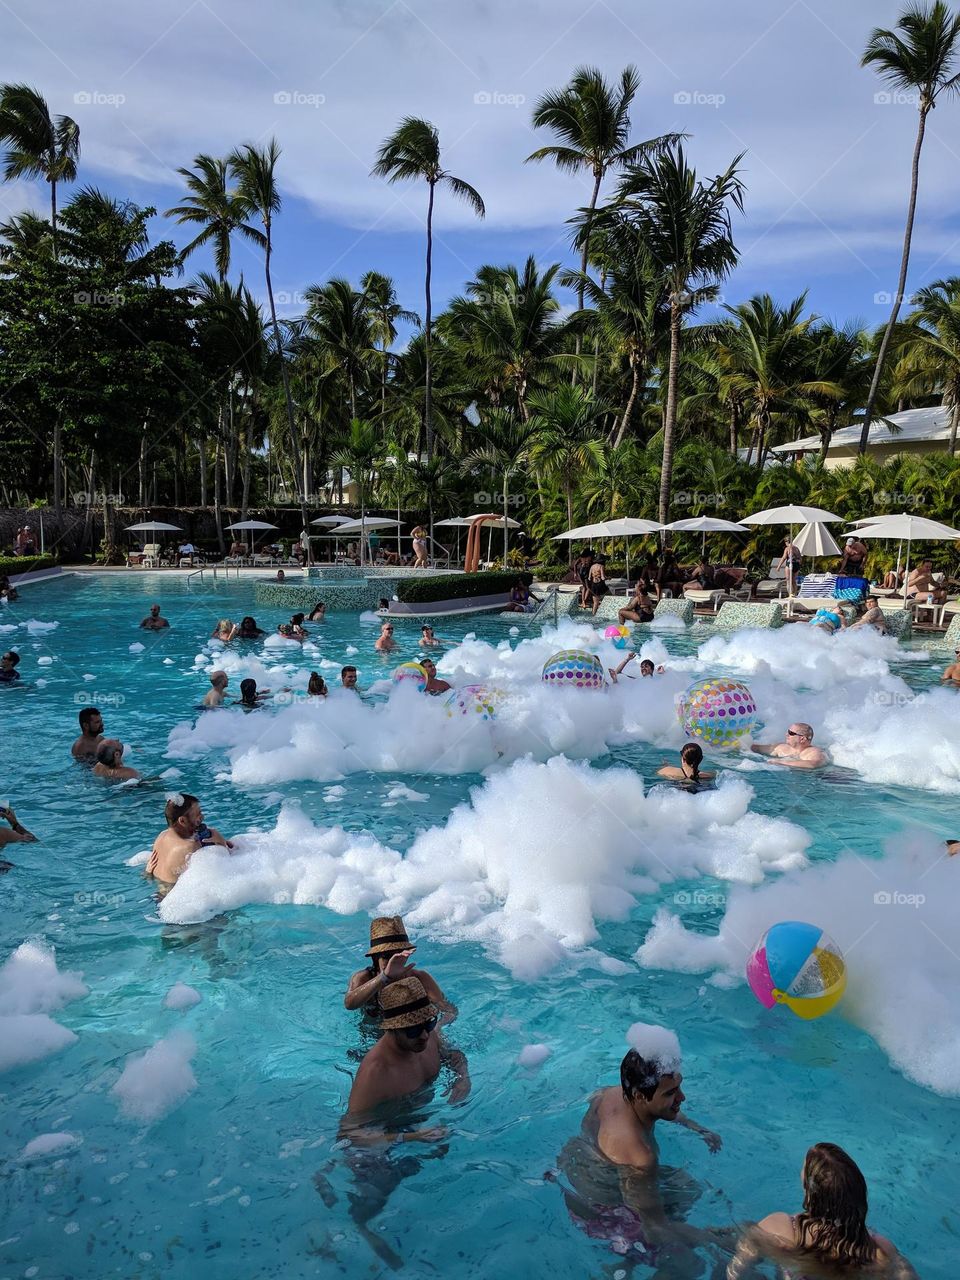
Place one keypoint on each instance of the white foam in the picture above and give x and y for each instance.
(88, 676)
(168, 662)
(137, 647)
(44, 662)
(350, 650)
(900, 954)
(180, 996)
(533, 1055)
(46, 1144)
(532, 894)
(155, 1082)
(399, 791)
(31, 987)
(657, 1045)
(36, 628)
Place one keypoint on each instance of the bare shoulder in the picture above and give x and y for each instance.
(778, 1227)
(360, 977)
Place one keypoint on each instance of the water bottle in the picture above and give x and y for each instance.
(929, 597)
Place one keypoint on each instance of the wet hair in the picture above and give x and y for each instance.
(297, 620)
(692, 754)
(316, 684)
(833, 1224)
(344, 671)
(86, 715)
(106, 751)
(285, 628)
(218, 678)
(224, 624)
(248, 624)
(383, 603)
(639, 1077)
(248, 690)
(805, 729)
(427, 627)
(647, 663)
(14, 658)
(177, 806)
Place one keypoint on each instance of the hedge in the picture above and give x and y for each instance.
(11, 565)
(456, 586)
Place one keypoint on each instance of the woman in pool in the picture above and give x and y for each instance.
(691, 758)
(316, 686)
(224, 631)
(829, 620)
(248, 629)
(830, 1234)
(110, 762)
(318, 613)
(299, 630)
(522, 599)
(390, 949)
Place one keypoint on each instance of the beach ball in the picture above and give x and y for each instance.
(410, 673)
(573, 669)
(619, 636)
(718, 711)
(798, 965)
(474, 700)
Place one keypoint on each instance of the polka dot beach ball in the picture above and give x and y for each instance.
(718, 711)
(573, 669)
(410, 673)
(474, 700)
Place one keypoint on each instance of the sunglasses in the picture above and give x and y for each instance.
(413, 1033)
(795, 733)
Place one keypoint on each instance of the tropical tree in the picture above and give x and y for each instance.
(929, 342)
(384, 311)
(359, 452)
(840, 370)
(38, 145)
(567, 446)
(412, 152)
(919, 57)
(215, 209)
(686, 225)
(338, 320)
(592, 120)
(503, 444)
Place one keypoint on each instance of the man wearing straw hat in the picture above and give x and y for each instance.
(390, 948)
(407, 1056)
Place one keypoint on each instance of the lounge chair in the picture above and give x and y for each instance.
(775, 583)
(151, 555)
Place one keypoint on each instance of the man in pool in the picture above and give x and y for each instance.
(110, 762)
(405, 1059)
(8, 667)
(433, 685)
(428, 640)
(796, 751)
(153, 621)
(214, 696)
(647, 669)
(186, 833)
(385, 641)
(91, 734)
(17, 833)
(348, 678)
(951, 675)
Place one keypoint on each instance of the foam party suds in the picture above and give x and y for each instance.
(176, 1067)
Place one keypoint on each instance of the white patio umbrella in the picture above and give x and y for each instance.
(626, 527)
(815, 539)
(332, 520)
(153, 526)
(908, 529)
(251, 527)
(792, 514)
(705, 525)
(365, 526)
(455, 522)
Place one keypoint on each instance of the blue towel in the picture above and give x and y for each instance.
(850, 588)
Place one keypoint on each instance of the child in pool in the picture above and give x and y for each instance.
(691, 758)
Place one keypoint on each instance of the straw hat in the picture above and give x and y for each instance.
(387, 934)
(406, 1004)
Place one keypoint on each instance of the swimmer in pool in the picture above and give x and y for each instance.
(186, 833)
(250, 695)
(647, 669)
(348, 678)
(428, 640)
(8, 667)
(248, 629)
(318, 613)
(16, 833)
(433, 685)
(153, 621)
(219, 681)
(317, 686)
(224, 631)
(951, 675)
(830, 1234)
(407, 1056)
(385, 641)
(691, 757)
(91, 734)
(796, 751)
(110, 761)
(390, 949)
(299, 630)
(829, 620)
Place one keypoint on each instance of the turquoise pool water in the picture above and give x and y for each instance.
(530, 870)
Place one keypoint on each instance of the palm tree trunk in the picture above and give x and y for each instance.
(628, 410)
(506, 481)
(954, 424)
(202, 456)
(53, 216)
(670, 413)
(733, 433)
(568, 489)
(427, 386)
(901, 283)
(581, 290)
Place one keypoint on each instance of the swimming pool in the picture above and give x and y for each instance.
(531, 865)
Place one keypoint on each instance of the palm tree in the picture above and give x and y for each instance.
(503, 446)
(254, 170)
(359, 453)
(567, 444)
(686, 225)
(413, 152)
(38, 145)
(592, 120)
(930, 345)
(338, 320)
(839, 364)
(919, 57)
(384, 311)
(215, 209)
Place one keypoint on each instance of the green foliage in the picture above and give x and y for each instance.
(11, 565)
(457, 586)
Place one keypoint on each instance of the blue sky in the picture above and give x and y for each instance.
(826, 168)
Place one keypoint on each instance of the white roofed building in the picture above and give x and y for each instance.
(918, 431)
